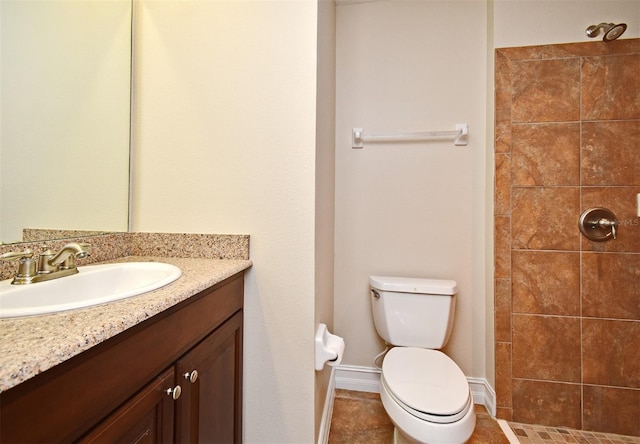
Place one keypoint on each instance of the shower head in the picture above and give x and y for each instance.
(614, 32)
(611, 31)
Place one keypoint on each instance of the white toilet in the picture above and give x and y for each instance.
(423, 391)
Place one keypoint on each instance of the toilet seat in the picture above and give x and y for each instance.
(427, 384)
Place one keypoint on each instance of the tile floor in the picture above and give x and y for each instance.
(359, 418)
(535, 434)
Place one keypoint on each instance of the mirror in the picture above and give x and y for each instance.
(65, 71)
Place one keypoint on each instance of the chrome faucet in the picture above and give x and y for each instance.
(50, 265)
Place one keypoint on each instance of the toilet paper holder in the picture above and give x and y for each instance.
(329, 348)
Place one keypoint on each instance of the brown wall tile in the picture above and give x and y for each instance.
(550, 403)
(610, 286)
(505, 413)
(543, 94)
(610, 87)
(546, 90)
(502, 246)
(610, 154)
(597, 48)
(502, 71)
(502, 310)
(545, 218)
(546, 154)
(503, 136)
(503, 184)
(610, 351)
(503, 374)
(546, 282)
(523, 52)
(612, 410)
(503, 106)
(546, 348)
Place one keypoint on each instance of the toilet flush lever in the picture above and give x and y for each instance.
(598, 224)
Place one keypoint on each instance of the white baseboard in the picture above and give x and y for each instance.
(483, 394)
(357, 378)
(367, 379)
(327, 411)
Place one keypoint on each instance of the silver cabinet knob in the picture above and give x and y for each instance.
(174, 392)
(192, 376)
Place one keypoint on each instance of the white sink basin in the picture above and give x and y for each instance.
(93, 285)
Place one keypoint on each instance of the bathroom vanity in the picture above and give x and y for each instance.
(175, 376)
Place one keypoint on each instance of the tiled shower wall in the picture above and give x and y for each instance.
(567, 310)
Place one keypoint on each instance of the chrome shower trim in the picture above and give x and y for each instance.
(611, 31)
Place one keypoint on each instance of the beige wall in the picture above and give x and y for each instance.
(420, 66)
(325, 180)
(411, 209)
(225, 143)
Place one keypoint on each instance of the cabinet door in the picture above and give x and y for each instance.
(210, 409)
(145, 418)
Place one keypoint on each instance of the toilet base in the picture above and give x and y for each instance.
(401, 438)
(412, 430)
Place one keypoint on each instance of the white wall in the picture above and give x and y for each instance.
(411, 209)
(542, 22)
(225, 143)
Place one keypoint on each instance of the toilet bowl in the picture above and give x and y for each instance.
(427, 397)
(423, 391)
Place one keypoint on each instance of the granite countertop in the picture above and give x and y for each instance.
(31, 345)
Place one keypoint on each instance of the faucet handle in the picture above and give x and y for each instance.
(27, 266)
(14, 255)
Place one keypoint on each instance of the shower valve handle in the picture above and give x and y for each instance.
(598, 224)
(608, 223)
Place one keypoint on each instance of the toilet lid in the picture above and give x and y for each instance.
(427, 381)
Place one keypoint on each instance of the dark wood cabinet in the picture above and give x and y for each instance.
(146, 418)
(123, 389)
(209, 409)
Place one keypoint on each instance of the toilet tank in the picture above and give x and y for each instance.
(413, 312)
